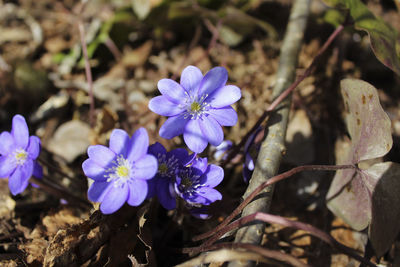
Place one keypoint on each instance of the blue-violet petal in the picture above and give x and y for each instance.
(137, 192)
(114, 199)
(145, 167)
(224, 96)
(163, 106)
(194, 137)
(173, 126)
(212, 130)
(172, 90)
(119, 141)
(213, 80)
(191, 78)
(20, 131)
(138, 145)
(226, 116)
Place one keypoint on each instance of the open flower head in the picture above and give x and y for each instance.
(162, 184)
(120, 171)
(18, 153)
(197, 107)
(195, 184)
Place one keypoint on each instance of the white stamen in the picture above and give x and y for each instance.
(20, 156)
(166, 166)
(195, 107)
(120, 173)
(189, 182)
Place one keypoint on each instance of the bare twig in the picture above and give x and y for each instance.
(272, 147)
(258, 250)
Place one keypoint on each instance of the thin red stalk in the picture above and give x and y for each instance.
(113, 48)
(271, 254)
(271, 181)
(269, 218)
(87, 71)
(285, 93)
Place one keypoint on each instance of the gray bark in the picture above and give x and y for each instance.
(272, 147)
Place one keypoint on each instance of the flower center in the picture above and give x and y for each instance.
(189, 181)
(163, 169)
(20, 156)
(195, 106)
(167, 166)
(120, 173)
(186, 182)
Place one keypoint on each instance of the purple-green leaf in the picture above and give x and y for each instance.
(350, 194)
(383, 38)
(366, 120)
(385, 224)
(349, 197)
(370, 196)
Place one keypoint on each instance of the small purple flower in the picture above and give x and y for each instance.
(251, 149)
(195, 184)
(120, 172)
(197, 107)
(162, 184)
(18, 153)
(200, 213)
(220, 151)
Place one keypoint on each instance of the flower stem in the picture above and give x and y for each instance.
(88, 71)
(269, 218)
(269, 182)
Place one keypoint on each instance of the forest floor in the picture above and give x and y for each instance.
(42, 77)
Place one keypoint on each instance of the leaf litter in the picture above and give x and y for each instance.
(46, 232)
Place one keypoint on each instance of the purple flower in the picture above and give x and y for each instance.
(251, 148)
(120, 171)
(197, 107)
(200, 213)
(18, 152)
(162, 184)
(195, 184)
(220, 151)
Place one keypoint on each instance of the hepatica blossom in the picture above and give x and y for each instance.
(195, 184)
(120, 171)
(18, 153)
(197, 107)
(169, 163)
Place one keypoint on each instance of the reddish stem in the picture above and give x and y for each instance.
(87, 71)
(270, 181)
(269, 218)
